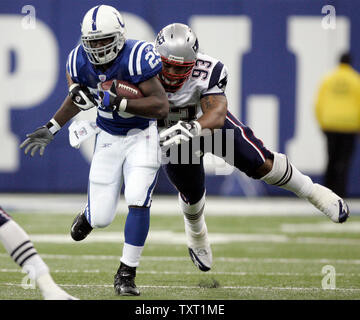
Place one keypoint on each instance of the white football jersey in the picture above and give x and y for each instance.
(209, 76)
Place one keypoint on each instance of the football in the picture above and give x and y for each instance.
(124, 89)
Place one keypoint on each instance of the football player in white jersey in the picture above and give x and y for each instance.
(195, 84)
(20, 248)
(127, 146)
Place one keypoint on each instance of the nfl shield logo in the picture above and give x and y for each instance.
(102, 77)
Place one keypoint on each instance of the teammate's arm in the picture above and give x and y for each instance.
(214, 108)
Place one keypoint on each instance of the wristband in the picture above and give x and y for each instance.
(53, 126)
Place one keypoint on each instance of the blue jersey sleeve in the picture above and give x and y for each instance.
(144, 62)
(72, 64)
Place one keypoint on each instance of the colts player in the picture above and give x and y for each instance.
(121, 153)
(20, 248)
(195, 84)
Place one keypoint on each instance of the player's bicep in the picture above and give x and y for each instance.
(69, 80)
(214, 103)
(152, 87)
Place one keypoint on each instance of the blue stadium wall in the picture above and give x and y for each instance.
(276, 50)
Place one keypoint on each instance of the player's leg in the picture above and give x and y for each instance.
(20, 248)
(104, 186)
(189, 180)
(140, 175)
(274, 168)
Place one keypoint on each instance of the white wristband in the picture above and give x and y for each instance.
(123, 105)
(53, 126)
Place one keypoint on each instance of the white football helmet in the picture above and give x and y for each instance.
(100, 23)
(178, 46)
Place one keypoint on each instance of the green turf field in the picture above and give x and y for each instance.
(254, 258)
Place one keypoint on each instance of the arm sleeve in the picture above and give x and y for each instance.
(72, 64)
(218, 80)
(145, 64)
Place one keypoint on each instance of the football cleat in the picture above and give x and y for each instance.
(329, 203)
(199, 248)
(124, 281)
(80, 227)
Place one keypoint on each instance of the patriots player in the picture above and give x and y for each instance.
(127, 146)
(195, 84)
(20, 248)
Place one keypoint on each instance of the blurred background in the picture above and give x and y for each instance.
(277, 52)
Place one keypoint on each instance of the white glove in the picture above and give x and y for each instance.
(79, 131)
(181, 131)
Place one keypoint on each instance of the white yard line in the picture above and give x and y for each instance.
(197, 287)
(168, 205)
(323, 227)
(215, 259)
(179, 238)
(196, 273)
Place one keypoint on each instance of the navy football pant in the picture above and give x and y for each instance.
(4, 217)
(249, 154)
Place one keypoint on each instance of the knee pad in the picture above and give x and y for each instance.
(281, 171)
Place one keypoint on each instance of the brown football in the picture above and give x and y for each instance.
(124, 89)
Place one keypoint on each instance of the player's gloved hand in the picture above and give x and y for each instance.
(36, 140)
(82, 97)
(181, 131)
(109, 99)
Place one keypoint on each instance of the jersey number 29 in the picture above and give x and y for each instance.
(152, 59)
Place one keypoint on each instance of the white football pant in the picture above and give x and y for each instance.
(134, 159)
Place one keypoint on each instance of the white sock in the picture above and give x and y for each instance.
(131, 255)
(17, 243)
(284, 175)
(193, 214)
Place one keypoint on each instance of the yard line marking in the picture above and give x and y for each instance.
(169, 237)
(197, 287)
(231, 273)
(323, 227)
(216, 259)
(70, 204)
(54, 271)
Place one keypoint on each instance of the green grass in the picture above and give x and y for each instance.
(289, 268)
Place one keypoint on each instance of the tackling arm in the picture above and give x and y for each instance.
(214, 108)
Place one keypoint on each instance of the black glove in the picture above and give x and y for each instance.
(82, 97)
(36, 140)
